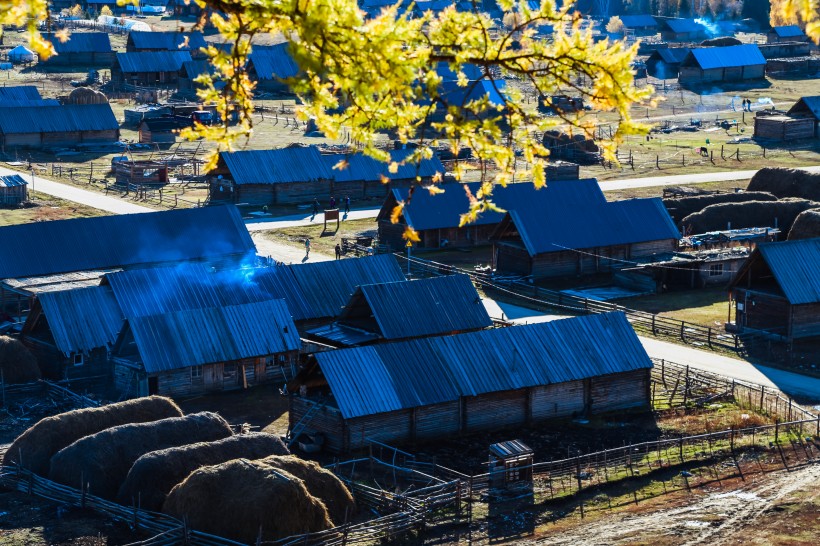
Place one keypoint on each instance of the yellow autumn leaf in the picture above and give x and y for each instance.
(410, 235)
(395, 214)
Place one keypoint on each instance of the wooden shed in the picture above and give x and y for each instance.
(47, 124)
(158, 131)
(640, 25)
(793, 66)
(502, 378)
(722, 64)
(786, 33)
(195, 351)
(269, 66)
(785, 50)
(191, 42)
(784, 128)
(13, 190)
(148, 68)
(569, 228)
(81, 48)
(778, 290)
(664, 63)
(808, 107)
(681, 30)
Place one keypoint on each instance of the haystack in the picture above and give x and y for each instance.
(86, 95)
(239, 498)
(321, 483)
(681, 207)
(102, 460)
(787, 183)
(17, 364)
(36, 446)
(723, 41)
(805, 226)
(154, 474)
(749, 214)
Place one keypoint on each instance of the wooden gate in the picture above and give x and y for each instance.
(212, 374)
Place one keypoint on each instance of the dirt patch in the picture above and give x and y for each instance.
(263, 408)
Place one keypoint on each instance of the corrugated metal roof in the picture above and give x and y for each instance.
(198, 67)
(726, 57)
(434, 306)
(283, 165)
(17, 103)
(273, 62)
(51, 118)
(812, 104)
(364, 168)
(672, 55)
(83, 319)
(12, 180)
(169, 41)
(395, 376)
(789, 31)
(574, 214)
(217, 334)
(796, 266)
(19, 92)
(82, 244)
(683, 25)
(151, 61)
(638, 21)
(456, 95)
(81, 42)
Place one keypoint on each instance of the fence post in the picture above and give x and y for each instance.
(709, 336)
(721, 153)
(682, 335)
(657, 161)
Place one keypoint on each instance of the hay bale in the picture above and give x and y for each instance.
(154, 474)
(41, 442)
(239, 498)
(748, 214)
(805, 226)
(86, 95)
(787, 183)
(321, 483)
(102, 460)
(17, 364)
(723, 41)
(681, 207)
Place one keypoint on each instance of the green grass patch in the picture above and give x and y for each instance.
(44, 208)
(706, 307)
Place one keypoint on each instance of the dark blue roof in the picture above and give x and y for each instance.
(796, 267)
(725, 57)
(361, 167)
(46, 116)
(12, 180)
(683, 25)
(169, 41)
(127, 240)
(638, 21)
(789, 31)
(433, 306)
(195, 337)
(19, 92)
(671, 55)
(152, 61)
(456, 95)
(81, 42)
(282, 165)
(395, 376)
(273, 62)
(574, 214)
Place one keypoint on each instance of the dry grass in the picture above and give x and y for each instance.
(717, 417)
(45, 208)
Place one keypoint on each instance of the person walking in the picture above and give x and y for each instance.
(307, 248)
(332, 202)
(347, 204)
(338, 251)
(315, 207)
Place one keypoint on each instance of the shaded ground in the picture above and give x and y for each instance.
(707, 307)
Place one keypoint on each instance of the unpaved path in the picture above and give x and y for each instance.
(282, 252)
(712, 518)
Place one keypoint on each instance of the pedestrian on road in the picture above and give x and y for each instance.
(347, 204)
(338, 251)
(307, 248)
(332, 202)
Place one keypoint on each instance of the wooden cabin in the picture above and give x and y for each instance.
(71, 332)
(639, 25)
(785, 50)
(786, 33)
(438, 387)
(269, 66)
(569, 228)
(196, 351)
(722, 64)
(148, 68)
(404, 310)
(681, 30)
(777, 290)
(779, 127)
(808, 107)
(158, 131)
(46, 124)
(13, 190)
(81, 48)
(191, 42)
(664, 63)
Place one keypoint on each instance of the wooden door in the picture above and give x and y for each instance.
(212, 374)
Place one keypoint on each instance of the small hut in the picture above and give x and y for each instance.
(22, 55)
(13, 190)
(786, 33)
(158, 131)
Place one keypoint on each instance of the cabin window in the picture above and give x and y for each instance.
(716, 270)
(77, 359)
(196, 373)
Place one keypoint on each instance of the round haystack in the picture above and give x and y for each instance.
(241, 498)
(321, 483)
(805, 226)
(154, 474)
(748, 214)
(36, 446)
(17, 364)
(86, 95)
(681, 207)
(723, 41)
(102, 460)
(787, 183)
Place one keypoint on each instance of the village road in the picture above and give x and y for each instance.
(742, 370)
(285, 253)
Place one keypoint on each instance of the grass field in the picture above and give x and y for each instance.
(322, 242)
(43, 208)
(707, 307)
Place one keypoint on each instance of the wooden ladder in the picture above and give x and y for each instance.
(300, 425)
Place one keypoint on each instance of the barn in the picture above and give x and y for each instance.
(166, 41)
(664, 63)
(13, 190)
(81, 48)
(148, 68)
(681, 30)
(777, 290)
(722, 64)
(195, 351)
(569, 228)
(786, 33)
(436, 218)
(640, 25)
(407, 309)
(71, 332)
(502, 378)
(42, 125)
(269, 65)
(158, 131)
